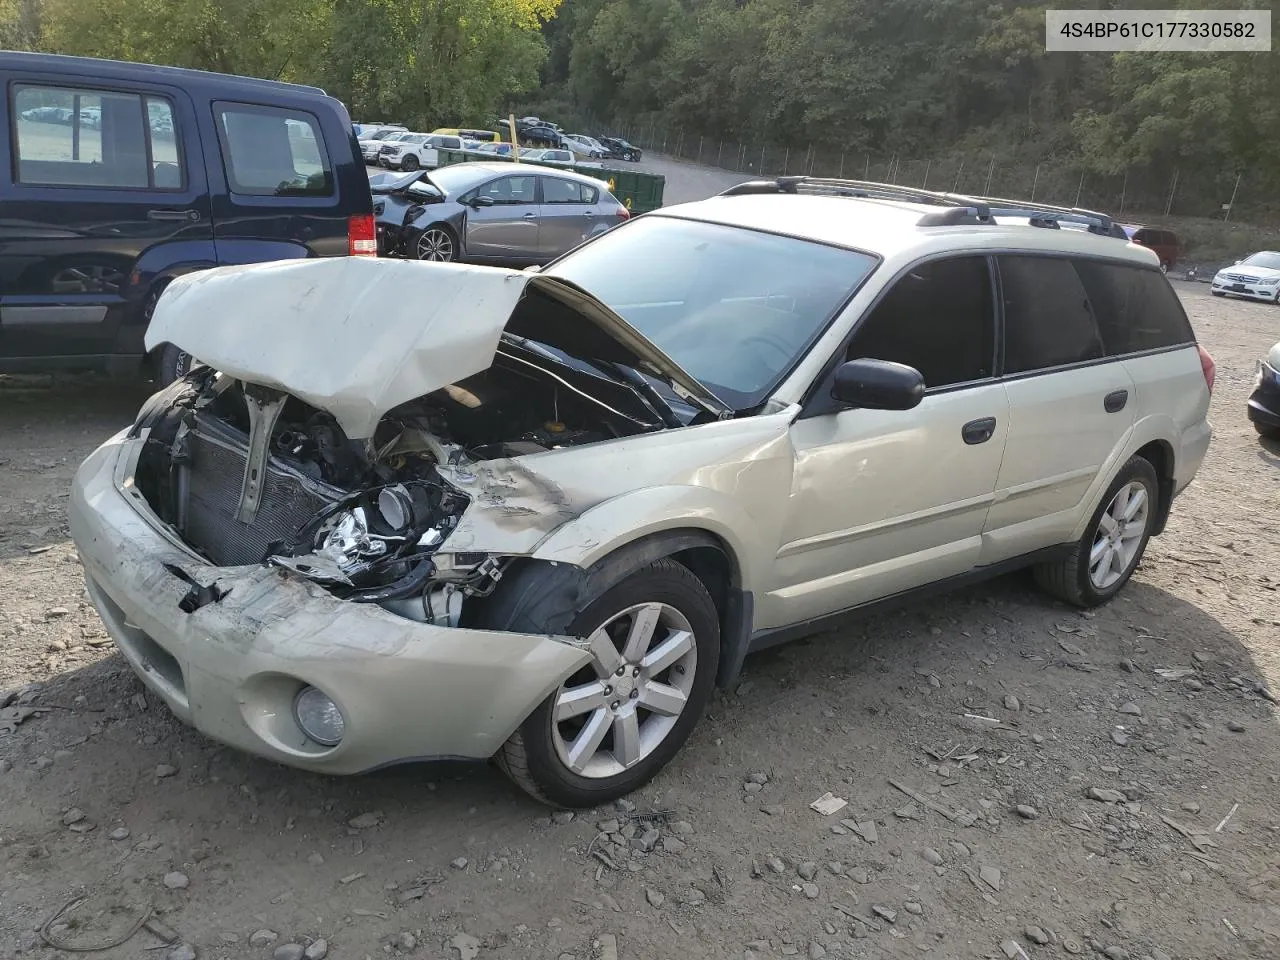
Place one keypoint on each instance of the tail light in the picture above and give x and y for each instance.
(1207, 367)
(362, 236)
(623, 213)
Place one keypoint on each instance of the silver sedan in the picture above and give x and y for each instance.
(501, 213)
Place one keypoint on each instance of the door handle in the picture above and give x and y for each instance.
(978, 431)
(191, 215)
(1114, 401)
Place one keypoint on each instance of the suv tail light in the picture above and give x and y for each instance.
(1207, 367)
(623, 213)
(362, 236)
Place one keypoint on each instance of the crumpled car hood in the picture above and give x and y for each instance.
(358, 336)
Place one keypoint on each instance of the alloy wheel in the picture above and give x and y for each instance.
(435, 244)
(620, 708)
(1119, 535)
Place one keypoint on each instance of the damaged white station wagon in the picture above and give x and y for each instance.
(538, 516)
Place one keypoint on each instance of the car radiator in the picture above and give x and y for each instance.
(211, 485)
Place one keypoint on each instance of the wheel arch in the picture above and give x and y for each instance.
(1159, 453)
(541, 595)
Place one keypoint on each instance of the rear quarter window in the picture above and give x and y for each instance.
(1136, 309)
(272, 152)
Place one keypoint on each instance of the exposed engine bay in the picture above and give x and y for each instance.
(248, 475)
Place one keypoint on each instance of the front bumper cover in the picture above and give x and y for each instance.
(231, 668)
(1250, 291)
(1264, 401)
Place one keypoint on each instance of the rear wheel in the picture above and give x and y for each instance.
(655, 642)
(1104, 559)
(436, 243)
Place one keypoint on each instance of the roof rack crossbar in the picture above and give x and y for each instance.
(1101, 223)
(858, 188)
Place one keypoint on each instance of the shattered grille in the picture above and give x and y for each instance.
(213, 491)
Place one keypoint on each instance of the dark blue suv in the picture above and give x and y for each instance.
(118, 177)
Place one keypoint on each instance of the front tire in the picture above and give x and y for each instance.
(409, 163)
(1102, 561)
(655, 644)
(1267, 432)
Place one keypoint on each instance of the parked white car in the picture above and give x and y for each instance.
(417, 151)
(1256, 277)
(539, 516)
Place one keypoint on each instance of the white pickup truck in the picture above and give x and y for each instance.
(417, 151)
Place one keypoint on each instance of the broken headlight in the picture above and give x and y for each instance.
(377, 544)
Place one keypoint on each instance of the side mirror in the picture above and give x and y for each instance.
(878, 385)
(478, 202)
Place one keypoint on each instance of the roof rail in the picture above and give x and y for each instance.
(961, 209)
(968, 209)
(1099, 223)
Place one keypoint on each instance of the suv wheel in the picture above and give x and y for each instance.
(655, 644)
(1104, 559)
(409, 163)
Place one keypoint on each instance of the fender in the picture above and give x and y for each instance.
(610, 525)
(1157, 428)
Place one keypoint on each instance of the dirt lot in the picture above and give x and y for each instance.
(1003, 852)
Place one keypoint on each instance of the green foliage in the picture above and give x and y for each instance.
(919, 78)
(424, 62)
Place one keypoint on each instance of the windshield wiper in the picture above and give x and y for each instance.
(657, 401)
(612, 371)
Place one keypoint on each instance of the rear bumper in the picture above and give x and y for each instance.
(232, 667)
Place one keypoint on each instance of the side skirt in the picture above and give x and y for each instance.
(764, 639)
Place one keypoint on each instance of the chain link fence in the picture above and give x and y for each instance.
(1227, 196)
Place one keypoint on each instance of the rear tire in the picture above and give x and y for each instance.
(171, 364)
(541, 756)
(1102, 561)
(436, 243)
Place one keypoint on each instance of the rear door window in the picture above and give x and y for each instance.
(1048, 317)
(555, 190)
(273, 152)
(85, 137)
(1136, 309)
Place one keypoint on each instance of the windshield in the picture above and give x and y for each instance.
(735, 308)
(1266, 260)
(457, 179)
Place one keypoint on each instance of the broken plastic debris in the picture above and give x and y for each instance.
(828, 803)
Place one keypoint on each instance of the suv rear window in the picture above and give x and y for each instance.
(270, 152)
(81, 137)
(1136, 309)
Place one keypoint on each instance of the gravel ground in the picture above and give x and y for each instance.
(1104, 807)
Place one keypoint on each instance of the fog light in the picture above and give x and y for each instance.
(319, 717)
